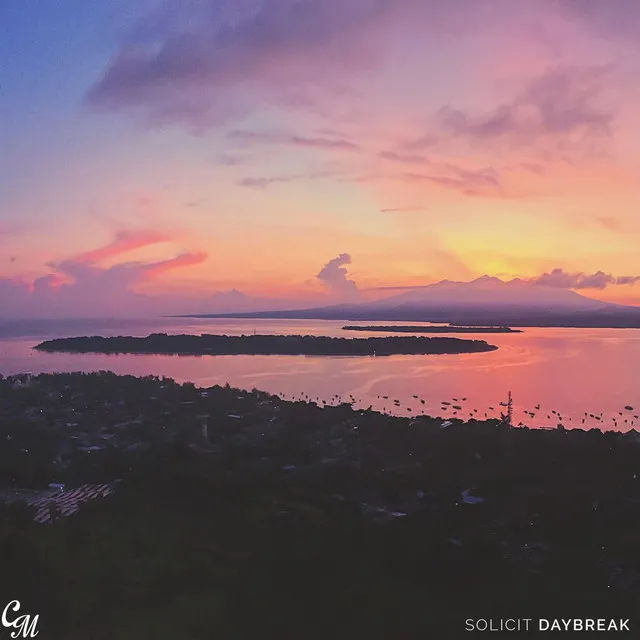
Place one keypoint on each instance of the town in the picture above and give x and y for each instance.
(246, 479)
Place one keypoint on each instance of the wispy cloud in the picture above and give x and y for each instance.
(124, 242)
(561, 104)
(482, 182)
(263, 182)
(401, 209)
(403, 158)
(286, 139)
(155, 269)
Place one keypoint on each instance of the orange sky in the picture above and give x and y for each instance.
(426, 140)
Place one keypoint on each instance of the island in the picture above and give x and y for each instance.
(216, 345)
(434, 329)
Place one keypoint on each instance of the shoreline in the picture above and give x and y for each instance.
(423, 329)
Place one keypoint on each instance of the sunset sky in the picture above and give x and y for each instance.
(221, 154)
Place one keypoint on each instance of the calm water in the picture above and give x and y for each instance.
(571, 371)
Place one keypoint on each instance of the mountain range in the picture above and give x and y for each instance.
(484, 301)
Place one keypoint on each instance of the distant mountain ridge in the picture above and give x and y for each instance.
(489, 291)
(484, 301)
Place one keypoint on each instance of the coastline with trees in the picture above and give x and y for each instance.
(162, 343)
(426, 329)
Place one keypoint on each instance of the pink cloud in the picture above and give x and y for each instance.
(185, 260)
(206, 64)
(598, 280)
(124, 242)
(90, 291)
(79, 286)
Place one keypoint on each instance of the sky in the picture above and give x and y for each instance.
(223, 155)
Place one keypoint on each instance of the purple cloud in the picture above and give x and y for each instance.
(267, 181)
(561, 104)
(480, 182)
(263, 183)
(203, 63)
(598, 280)
(183, 69)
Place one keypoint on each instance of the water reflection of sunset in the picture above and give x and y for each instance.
(567, 370)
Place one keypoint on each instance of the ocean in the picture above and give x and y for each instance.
(573, 375)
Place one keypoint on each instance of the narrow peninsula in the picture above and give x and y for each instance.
(161, 343)
(432, 329)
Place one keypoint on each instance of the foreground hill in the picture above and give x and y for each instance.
(289, 520)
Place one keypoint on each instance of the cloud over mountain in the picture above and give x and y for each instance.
(598, 280)
(334, 276)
